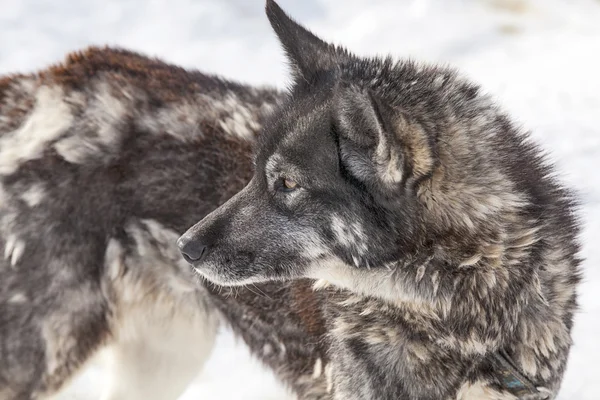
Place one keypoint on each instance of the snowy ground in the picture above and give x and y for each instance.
(541, 58)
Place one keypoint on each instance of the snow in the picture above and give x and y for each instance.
(540, 58)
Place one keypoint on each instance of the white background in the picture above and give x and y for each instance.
(541, 58)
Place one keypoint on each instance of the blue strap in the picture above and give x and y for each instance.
(515, 382)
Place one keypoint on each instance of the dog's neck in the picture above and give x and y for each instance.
(388, 284)
(424, 280)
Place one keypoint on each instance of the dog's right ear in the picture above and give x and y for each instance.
(379, 145)
(307, 54)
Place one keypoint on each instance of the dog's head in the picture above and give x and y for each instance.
(339, 170)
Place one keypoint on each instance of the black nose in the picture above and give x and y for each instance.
(192, 250)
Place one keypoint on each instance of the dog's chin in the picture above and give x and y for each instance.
(221, 277)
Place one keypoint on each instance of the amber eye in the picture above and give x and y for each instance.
(287, 185)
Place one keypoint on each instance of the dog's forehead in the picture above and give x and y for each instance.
(308, 126)
(300, 137)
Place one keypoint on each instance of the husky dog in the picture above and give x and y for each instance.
(447, 249)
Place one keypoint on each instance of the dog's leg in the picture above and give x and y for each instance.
(44, 343)
(161, 362)
(53, 314)
(163, 328)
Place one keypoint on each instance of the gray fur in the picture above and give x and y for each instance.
(437, 224)
(430, 228)
(89, 217)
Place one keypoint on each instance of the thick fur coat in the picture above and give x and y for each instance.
(396, 233)
(449, 245)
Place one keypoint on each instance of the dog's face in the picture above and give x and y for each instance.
(335, 176)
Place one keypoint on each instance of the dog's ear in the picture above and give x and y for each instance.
(379, 145)
(307, 54)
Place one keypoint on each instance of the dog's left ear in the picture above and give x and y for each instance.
(307, 54)
(379, 145)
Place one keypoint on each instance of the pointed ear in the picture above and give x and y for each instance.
(379, 145)
(306, 52)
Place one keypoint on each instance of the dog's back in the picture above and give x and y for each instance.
(98, 158)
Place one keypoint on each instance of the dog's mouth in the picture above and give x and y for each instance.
(216, 264)
(213, 273)
(221, 268)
